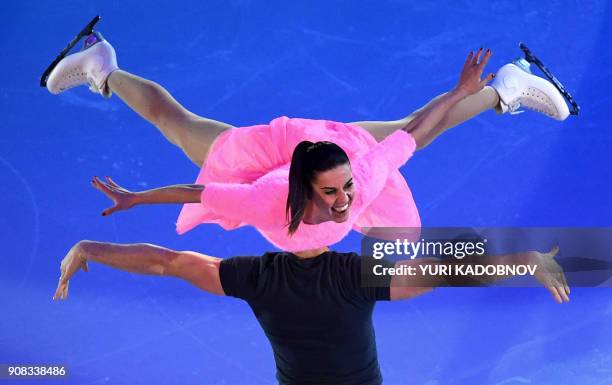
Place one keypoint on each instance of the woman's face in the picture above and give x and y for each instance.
(333, 194)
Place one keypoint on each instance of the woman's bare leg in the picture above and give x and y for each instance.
(192, 133)
(466, 109)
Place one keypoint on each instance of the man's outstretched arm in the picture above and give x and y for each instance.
(548, 273)
(200, 270)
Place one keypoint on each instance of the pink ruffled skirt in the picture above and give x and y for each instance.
(242, 155)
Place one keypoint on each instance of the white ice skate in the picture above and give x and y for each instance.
(517, 86)
(92, 65)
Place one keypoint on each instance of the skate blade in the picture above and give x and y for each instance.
(531, 58)
(87, 30)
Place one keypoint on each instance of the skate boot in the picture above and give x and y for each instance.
(92, 65)
(517, 86)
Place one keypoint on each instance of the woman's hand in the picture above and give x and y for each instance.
(72, 262)
(469, 80)
(549, 273)
(123, 199)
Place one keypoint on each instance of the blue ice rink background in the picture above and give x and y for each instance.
(247, 62)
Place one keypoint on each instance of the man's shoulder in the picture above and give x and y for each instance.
(343, 256)
(350, 254)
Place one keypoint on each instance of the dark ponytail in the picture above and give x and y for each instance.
(308, 158)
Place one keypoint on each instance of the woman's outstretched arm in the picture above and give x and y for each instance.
(200, 270)
(469, 98)
(259, 204)
(125, 199)
(426, 126)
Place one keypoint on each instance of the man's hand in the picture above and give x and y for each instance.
(469, 80)
(122, 198)
(549, 273)
(72, 262)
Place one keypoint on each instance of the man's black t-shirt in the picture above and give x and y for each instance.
(315, 312)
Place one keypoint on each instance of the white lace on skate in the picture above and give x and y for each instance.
(75, 76)
(535, 100)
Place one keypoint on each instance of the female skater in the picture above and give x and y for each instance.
(234, 159)
(261, 200)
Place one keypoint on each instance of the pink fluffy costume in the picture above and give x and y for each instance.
(246, 181)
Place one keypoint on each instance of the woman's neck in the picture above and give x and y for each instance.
(305, 254)
(309, 217)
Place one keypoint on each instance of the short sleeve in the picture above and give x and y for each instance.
(240, 276)
(361, 283)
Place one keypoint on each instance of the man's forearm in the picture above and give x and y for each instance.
(180, 193)
(139, 258)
